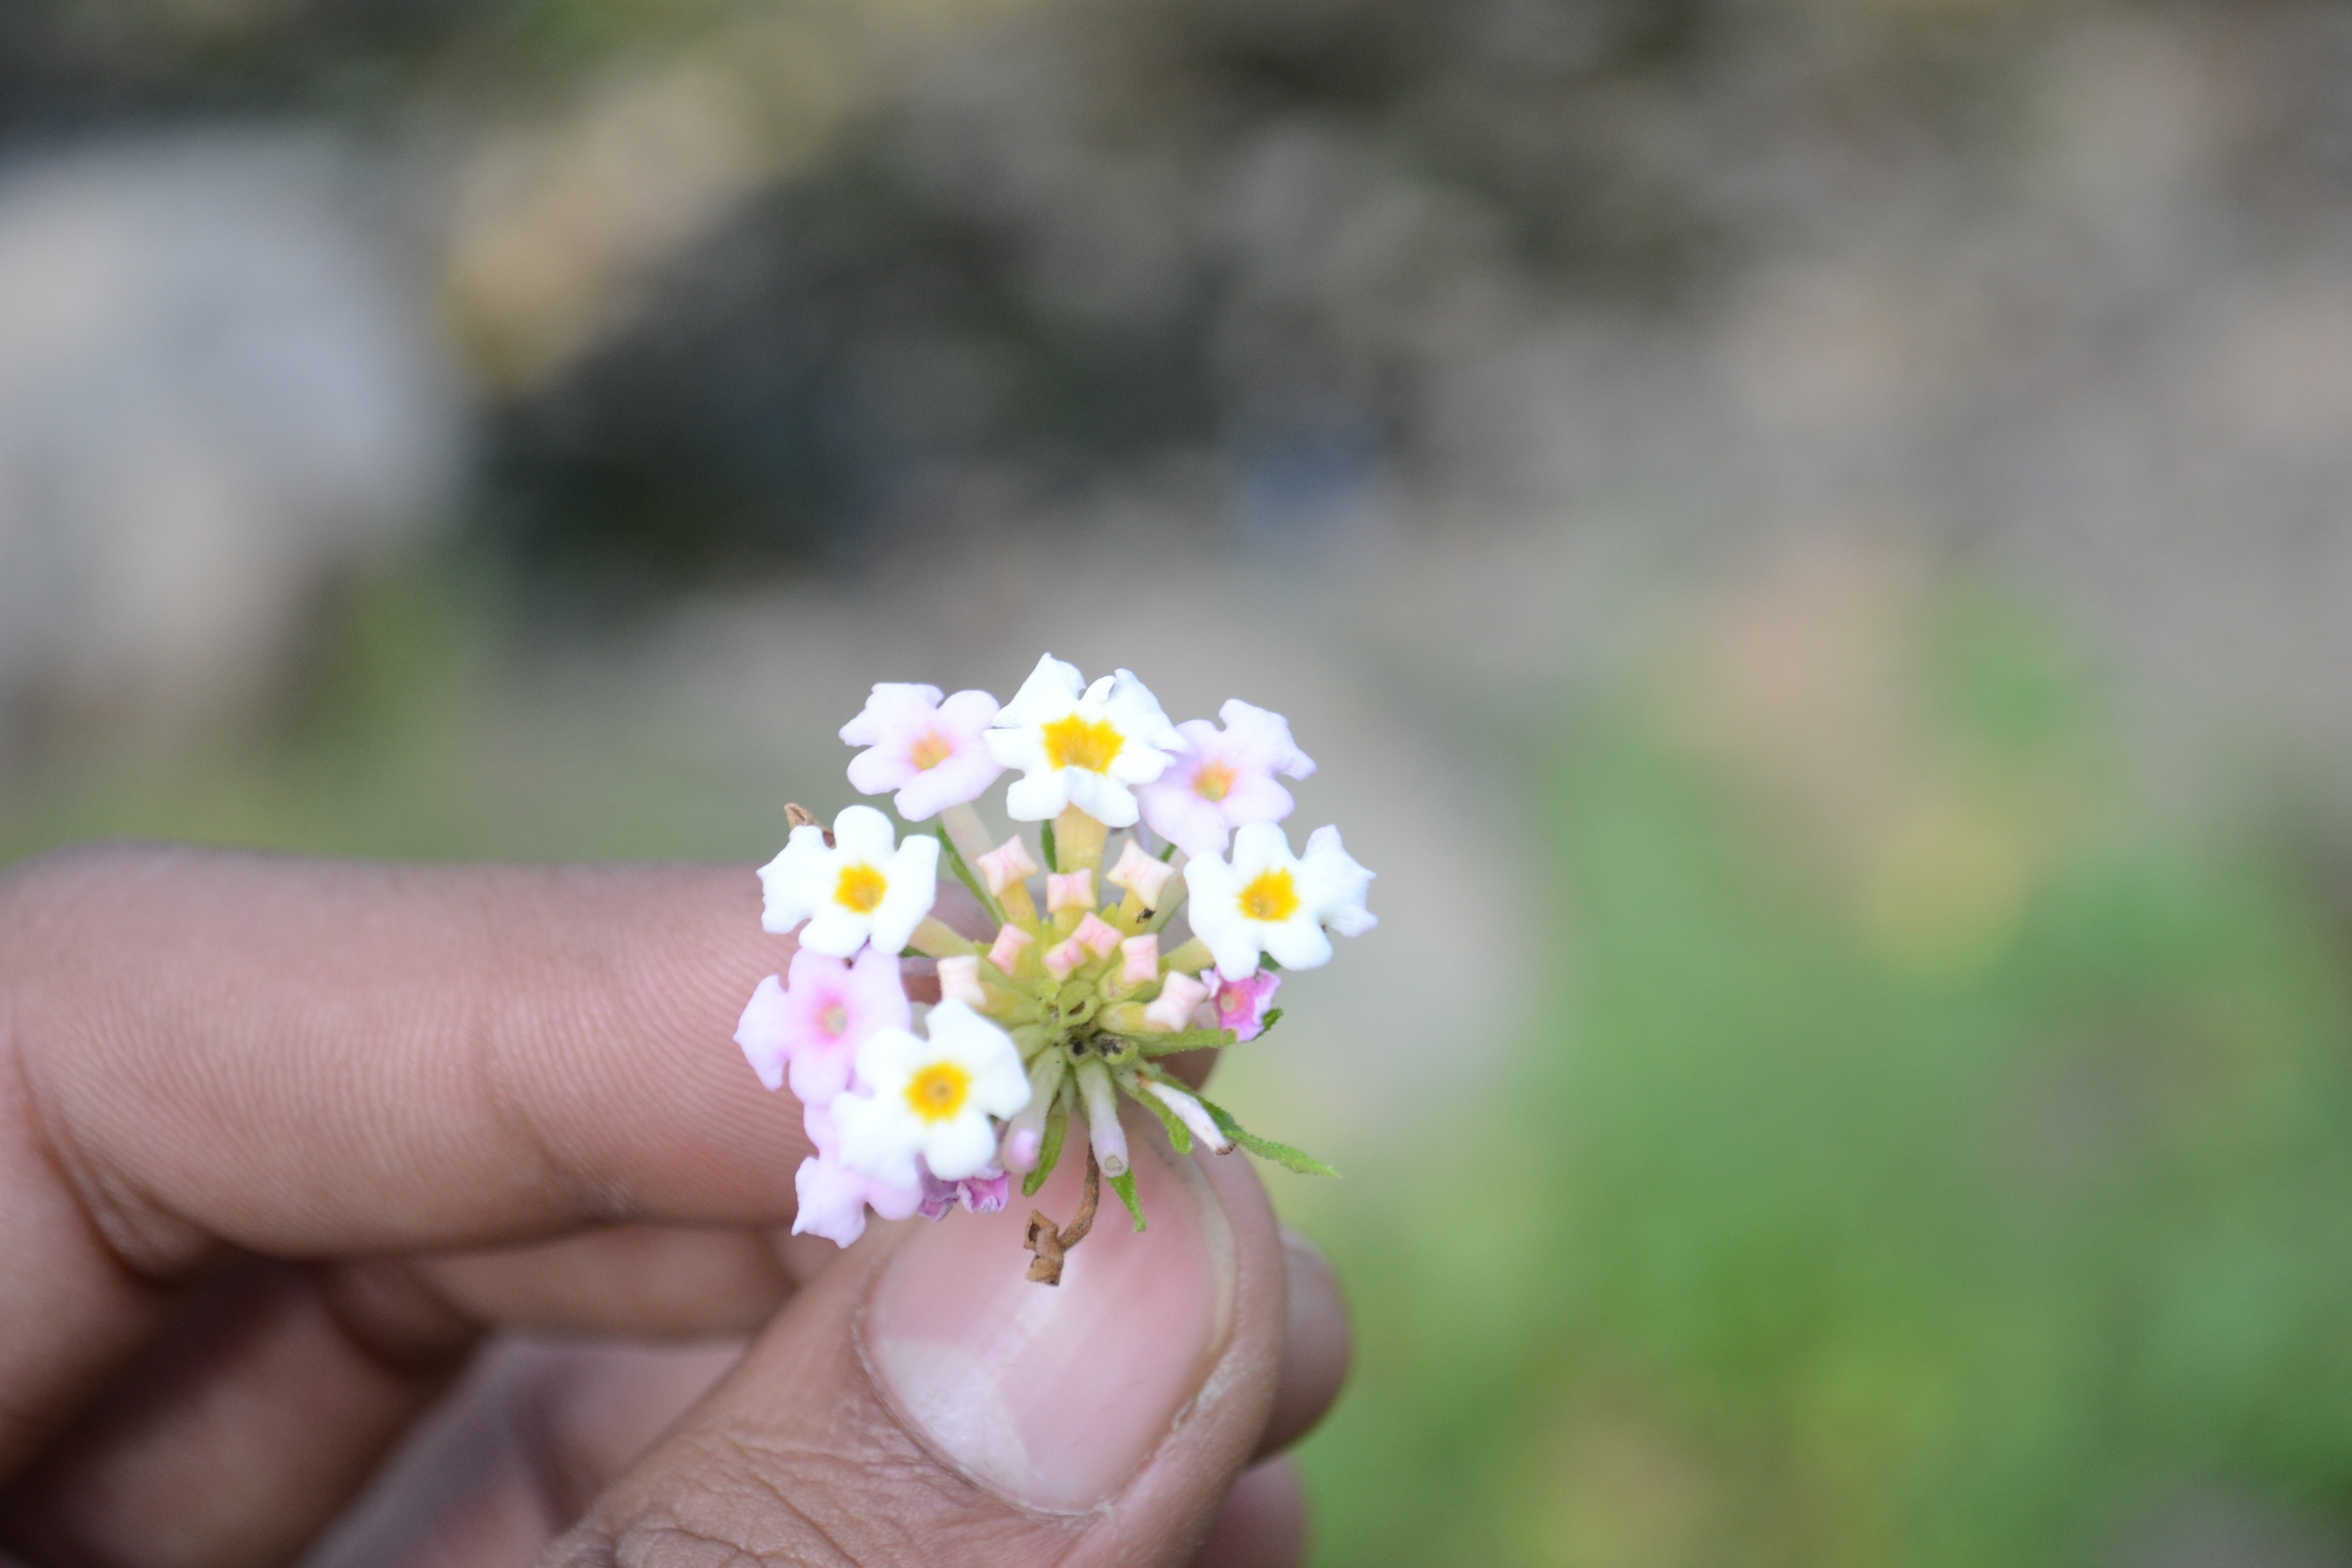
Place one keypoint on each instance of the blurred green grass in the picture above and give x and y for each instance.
(1959, 1188)
(1796, 1241)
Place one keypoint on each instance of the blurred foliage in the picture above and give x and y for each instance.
(1784, 1249)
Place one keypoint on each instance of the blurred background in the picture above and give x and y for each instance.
(1811, 539)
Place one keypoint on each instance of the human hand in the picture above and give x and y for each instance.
(283, 1142)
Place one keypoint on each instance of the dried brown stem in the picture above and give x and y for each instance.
(799, 816)
(1051, 1245)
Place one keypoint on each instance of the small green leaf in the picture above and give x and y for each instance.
(1180, 1137)
(1045, 840)
(1273, 1016)
(1057, 1127)
(1282, 1154)
(1267, 961)
(963, 874)
(1125, 1187)
(1186, 1040)
(1167, 853)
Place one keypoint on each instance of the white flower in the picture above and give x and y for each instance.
(1224, 778)
(930, 1098)
(927, 749)
(1265, 901)
(863, 887)
(1081, 745)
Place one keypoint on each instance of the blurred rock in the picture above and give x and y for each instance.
(218, 393)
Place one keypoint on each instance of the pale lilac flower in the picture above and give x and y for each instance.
(930, 751)
(1007, 952)
(1140, 959)
(1069, 891)
(1080, 745)
(1223, 779)
(817, 1020)
(1144, 874)
(1096, 935)
(864, 886)
(959, 980)
(930, 1098)
(986, 1193)
(1267, 900)
(1241, 1004)
(1008, 863)
(1171, 1010)
(833, 1197)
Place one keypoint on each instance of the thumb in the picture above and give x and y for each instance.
(922, 1402)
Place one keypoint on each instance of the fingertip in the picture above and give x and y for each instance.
(1318, 1345)
(1263, 1524)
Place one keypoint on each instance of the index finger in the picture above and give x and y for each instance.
(203, 1050)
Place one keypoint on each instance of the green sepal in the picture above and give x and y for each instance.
(1125, 1187)
(1282, 1154)
(1273, 1016)
(1267, 961)
(1049, 1153)
(963, 874)
(1167, 852)
(1186, 1040)
(1045, 842)
(1180, 1137)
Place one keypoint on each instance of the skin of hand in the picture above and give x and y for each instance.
(304, 1165)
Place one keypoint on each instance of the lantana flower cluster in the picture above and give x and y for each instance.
(1101, 967)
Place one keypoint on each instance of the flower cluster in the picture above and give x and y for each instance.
(1067, 1009)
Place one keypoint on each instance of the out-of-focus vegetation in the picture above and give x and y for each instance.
(1983, 1203)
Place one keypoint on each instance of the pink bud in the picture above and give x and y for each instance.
(1070, 890)
(1022, 1146)
(1098, 937)
(1008, 863)
(1173, 1008)
(1010, 941)
(1064, 957)
(1142, 955)
(959, 980)
(1145, 876)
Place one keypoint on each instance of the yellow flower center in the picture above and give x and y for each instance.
(860, 889)
(1076, 742)
(1213, 782)
(1272, 896)
(834, 1020)
(938, 1091)
(931, 751)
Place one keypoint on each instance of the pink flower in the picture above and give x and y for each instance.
(1223, 779)
(986, 1193)
(1241, 1004)
(816, 1023)
(833, 1197)
(930, 751)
